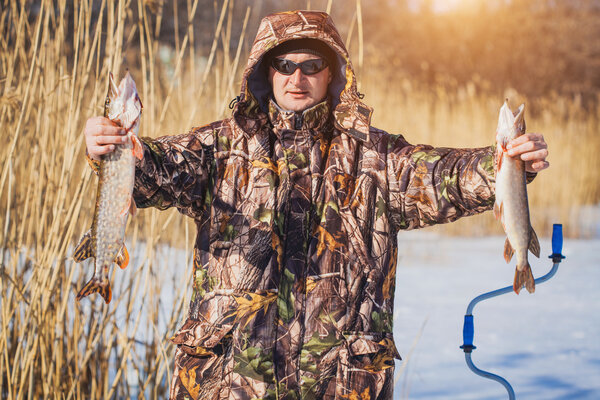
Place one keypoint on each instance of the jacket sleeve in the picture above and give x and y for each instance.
(430, 185)
(174, 172)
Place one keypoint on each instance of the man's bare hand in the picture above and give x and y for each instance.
(101, 136)
(532, 149)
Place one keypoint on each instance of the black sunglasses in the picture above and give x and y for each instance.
(308, 67)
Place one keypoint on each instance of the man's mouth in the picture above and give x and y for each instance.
(297, 93)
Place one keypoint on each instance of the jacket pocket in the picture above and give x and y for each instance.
(366, 366)
(202, 338)
(203, 351)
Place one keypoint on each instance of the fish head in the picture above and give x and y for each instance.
(123, 104)
(519, 123)
(510, 125)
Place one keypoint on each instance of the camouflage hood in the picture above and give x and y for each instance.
(351, 116)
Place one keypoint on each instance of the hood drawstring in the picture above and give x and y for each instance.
(233, 102)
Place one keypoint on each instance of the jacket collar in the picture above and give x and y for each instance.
(313, 119)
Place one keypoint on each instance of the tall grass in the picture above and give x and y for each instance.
(51, 82)
(54, 63)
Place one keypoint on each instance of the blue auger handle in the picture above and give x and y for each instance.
(557, 242)
(468, 333)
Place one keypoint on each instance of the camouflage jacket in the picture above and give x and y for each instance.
(297, 217)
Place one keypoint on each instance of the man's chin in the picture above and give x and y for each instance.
(298, 105)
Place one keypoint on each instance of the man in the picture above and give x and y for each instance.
(298, 200)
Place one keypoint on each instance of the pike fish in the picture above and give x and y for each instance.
(105, 239)
(511, 206)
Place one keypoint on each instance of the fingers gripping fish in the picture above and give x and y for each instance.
(114, 203)
(511, 206)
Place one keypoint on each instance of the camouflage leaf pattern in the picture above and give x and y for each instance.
(297, 216)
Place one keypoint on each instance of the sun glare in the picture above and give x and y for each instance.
(444, 6)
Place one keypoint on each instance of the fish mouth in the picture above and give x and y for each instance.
(519, 118)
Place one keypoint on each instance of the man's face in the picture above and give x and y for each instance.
(297, 92)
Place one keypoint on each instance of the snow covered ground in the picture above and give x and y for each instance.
(547, 345)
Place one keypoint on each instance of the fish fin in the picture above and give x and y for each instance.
(534, 243)
(498, 210)
(122, 259)
(126, 209)
(95, 285)
(524, 277)
(132, 207)
(85, 248)
(508, 251)
(138, 149)
(500, 157)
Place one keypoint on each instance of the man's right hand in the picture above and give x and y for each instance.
(101, 135)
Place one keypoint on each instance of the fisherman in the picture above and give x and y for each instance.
(297, 201)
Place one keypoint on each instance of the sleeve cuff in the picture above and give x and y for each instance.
(530, 176)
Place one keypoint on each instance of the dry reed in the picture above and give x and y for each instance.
(54, 65)
(52, 81)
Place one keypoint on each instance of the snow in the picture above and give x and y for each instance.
(545, 344)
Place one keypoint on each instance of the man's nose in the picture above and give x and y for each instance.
(297, 76)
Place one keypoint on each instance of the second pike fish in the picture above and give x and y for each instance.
(104, 240)
(511, 206)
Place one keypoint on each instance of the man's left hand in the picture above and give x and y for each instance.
(532, 149)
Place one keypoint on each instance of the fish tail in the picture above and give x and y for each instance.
(138, 149)
(96, 285)
(524, 277)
